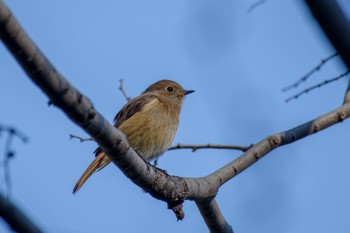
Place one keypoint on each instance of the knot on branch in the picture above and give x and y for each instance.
(91, 114)
(316, 128)
(341, 116)
(171, 189)
(275, 140)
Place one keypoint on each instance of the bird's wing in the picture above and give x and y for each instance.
(133, 106)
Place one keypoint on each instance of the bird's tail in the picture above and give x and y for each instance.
(99, 162)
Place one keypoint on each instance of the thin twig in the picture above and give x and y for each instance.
(11, 129)
(71, 136)
(317, 86)
(255, 5)
(312, 71)
(9, 153)
(210, 146)
(121, 88)
(6, 163)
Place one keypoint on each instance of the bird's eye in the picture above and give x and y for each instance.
(170, 89)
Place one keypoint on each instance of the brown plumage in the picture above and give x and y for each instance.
(149, 122)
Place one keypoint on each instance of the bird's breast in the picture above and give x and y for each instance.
(151, 131)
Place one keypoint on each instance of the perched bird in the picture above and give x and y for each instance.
(149, 123)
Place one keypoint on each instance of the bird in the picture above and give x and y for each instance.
(149, 122)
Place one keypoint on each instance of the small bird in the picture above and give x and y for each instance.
(149, 123)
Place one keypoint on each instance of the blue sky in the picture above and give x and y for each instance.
(237, 63)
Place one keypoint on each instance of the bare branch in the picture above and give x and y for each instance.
(16, 219)
(210, 146)
(271, 142)
(335, 24)
(307, 90)
(71, 136)
(311, 72)
(347, 94)
(171, 189)
(9, 153)
(255, 5)
(121, 88)
(213, 217)
(15, 132)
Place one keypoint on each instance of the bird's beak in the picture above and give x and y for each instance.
(188, 92)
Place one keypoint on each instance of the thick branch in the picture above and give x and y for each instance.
(174, 190)
(335, 24)
(81, 111)
(17, 220)
(213, 217)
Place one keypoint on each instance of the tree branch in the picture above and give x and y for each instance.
(171, 189)
(213, 217)
(121, 88)
(16, 219)
(273, 141)
(334, 24)
(311, 72)
(71, 136)
(256, 5)
(347, 94)
(9, 153)
(209, 146)
(325, 82)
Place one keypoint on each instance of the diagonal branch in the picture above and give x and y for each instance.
(273, 141)
(347, 94)
(335, 25)
(121, 88)
(213, 217)
(16, 219)
(171, 189)
(255, 5)
(12, 132)
(311, 72)
(325, 82)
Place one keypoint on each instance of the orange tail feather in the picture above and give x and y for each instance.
(99, 162)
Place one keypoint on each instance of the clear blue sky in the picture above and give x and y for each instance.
(237, 63)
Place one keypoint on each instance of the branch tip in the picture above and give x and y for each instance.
(121, 88)
(71, 136)
(310, 73)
